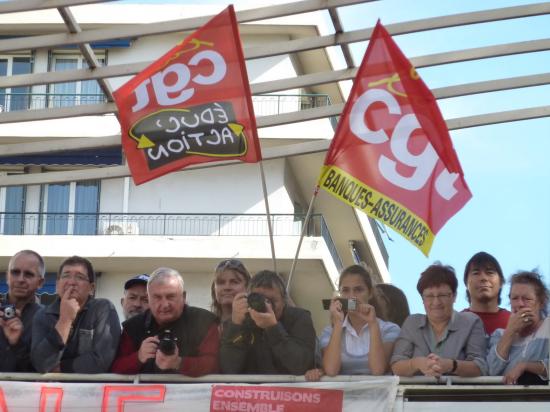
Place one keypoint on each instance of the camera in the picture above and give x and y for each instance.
(9, 311)
(347, 304)
(167, 342)
(257, 302)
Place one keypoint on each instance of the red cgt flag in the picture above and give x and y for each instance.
(392, 156)
(191, 106)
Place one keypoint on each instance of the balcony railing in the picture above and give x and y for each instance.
(268, 104)
(159, 224)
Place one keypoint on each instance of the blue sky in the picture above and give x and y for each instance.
(505, 165)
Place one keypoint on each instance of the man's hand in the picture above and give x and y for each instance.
(12, 328)
(166, 362)
(69, 307)
(264, 320)
(240, 308)
(148, 349)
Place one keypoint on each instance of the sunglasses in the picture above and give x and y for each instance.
(229, 264)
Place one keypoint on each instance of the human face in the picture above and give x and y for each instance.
(74, 278)
(166, 300)
(23, 277)
(438, 303)
(135, 301)
(354, 287)
(227, 285)
(523, 297)
(275, 298)
(483, 283)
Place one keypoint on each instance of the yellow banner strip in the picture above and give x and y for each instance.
(360, 196)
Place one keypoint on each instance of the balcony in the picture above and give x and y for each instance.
(264, 105)
(165, 224)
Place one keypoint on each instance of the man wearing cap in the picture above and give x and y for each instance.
(24, 277)
(77, 332)
(135, 299)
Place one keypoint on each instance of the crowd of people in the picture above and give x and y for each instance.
(253, 328)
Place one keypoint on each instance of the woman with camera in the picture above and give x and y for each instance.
(442, 342)
(520, 352)
(358, 342)
(230, 278)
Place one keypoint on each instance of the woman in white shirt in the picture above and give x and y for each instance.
(358, 342)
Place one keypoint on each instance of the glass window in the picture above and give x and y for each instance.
(57, 207)
(75, 93)
(86, 208)
(21, 96)
(15, 206)
(3, 72)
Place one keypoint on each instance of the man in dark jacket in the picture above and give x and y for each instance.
(170, 337)
(76, 333)
(265, 335)
(24, 277)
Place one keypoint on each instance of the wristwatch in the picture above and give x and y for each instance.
(455, 365)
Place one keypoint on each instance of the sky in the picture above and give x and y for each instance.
(505, 165)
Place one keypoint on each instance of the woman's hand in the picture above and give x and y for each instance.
(240, 308)
(520, 320)
(336, 312)
(511, 378)
(314, 375)
(366, 312)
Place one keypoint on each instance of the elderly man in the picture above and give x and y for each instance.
(265, 335)
(24, 277)
(170, 337)
(484, 281)
(77, 332)
(135, 299)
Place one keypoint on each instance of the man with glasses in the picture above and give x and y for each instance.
(77, 332)
(484, 281)
(24, 277)
(265, 335)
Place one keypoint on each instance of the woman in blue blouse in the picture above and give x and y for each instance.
(520, 352)
(357, 342)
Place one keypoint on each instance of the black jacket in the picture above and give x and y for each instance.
(286, 348)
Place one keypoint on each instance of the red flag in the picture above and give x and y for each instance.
(392, 156)
(191, 106)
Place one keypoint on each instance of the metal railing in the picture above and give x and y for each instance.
(159, 224)
(264, 104)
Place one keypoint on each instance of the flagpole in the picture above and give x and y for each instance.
(304, 228)
(270, 229)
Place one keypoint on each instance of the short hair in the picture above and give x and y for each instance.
(41, 264)
(163, 273)
(535, 279)
(268, 279)
(228, 264)
(483, 260)
(78, 260)
(436, 275)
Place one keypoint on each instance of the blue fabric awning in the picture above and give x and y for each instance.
(94, 157)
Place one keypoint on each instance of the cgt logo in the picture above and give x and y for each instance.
(174, 84)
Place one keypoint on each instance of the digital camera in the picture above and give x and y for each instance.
(9, 311)
(347, 304)
(257, 302)
(168, 343)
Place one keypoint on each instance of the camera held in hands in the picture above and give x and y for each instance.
(168, 343)
(347, 304)
(257, 302)
(9, 311)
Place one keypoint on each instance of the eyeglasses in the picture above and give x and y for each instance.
(79, 277)
(431, 298)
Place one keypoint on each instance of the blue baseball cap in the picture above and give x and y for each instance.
(136, 280)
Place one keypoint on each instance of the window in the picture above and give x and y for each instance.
(74, 93)
(70, 208)
(15, 206)
(15, 98)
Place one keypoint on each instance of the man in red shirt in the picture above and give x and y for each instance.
(484, 280)
(170, 337)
